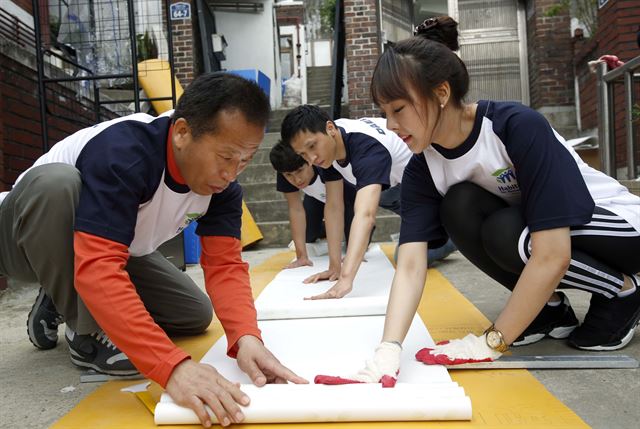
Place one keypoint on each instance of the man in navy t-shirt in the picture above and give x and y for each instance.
(306, 217)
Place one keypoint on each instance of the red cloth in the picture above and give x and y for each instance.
(331, 380)
(427, 358)
(612, 61)
(386, 380)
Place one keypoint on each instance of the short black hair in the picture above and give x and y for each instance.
(303, 118)
(211, 93)
(284, 159)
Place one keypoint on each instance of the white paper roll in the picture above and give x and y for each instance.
(318, 403)
(283, 298)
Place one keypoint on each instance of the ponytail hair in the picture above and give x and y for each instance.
(421, 63)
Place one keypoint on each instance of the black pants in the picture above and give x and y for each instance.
(314, 211)
(495, 238)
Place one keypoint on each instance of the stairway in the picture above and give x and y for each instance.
(319, 85)
(268, 206)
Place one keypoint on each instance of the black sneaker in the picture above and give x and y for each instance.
(43, 321)
(610, 322)
(96, 351)
(553, 321)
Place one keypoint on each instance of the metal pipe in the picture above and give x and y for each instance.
(134, 55)
(41, 87)
(130, 100)
(628, 101)
(619, 71)
(603, 121)
(77, 78)
(170, 48)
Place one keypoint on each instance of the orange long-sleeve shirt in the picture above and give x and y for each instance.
(107, 291)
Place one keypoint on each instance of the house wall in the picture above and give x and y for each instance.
(362, 49)
(618, 24)
(252, 43)
(550, 49)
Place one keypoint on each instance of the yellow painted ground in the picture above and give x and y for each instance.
(500, 398)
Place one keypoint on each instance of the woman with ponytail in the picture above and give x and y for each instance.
(515, 199)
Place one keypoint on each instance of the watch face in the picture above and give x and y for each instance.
(493, 339)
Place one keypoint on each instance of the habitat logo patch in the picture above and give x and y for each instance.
(188, 218)
(506, 178)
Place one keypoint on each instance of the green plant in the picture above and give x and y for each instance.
(54, 27)
(635, 113)
(146, 46)
(328, 15)
(585, 10)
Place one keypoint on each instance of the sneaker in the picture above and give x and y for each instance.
(96, 351)
(553, 321)
(43, 322)
(610, 322)
(440, 253)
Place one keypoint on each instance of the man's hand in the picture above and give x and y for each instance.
(332, 274)
(195, 385)
(469, 349)
(300, 262)
(261, 366)
(383, 368)
(338, 290)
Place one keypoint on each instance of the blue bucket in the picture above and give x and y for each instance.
(191, 244)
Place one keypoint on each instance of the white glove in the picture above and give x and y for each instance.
(464, 350)
(385, 362)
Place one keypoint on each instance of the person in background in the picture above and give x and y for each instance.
(516, 200)
(85, 222)
(306, 217)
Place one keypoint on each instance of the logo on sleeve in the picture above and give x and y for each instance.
(188, 218)
(506, 178)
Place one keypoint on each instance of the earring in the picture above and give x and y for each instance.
(442, 105)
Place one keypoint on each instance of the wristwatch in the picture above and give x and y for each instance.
(495, 340)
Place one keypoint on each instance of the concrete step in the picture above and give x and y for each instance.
(262, 155)
(257, 173)
(277, 234)
(270, 139)
(632, 185)
(260, 192)
(277, 210)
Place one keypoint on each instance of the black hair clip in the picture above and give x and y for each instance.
(426, 25)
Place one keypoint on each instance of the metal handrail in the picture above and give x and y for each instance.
(606, 130)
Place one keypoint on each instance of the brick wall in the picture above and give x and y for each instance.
(362, 49)
(618, 23)
(550, 50)
(25, 4)
(184, 51)
(289, 14)
(20, 129)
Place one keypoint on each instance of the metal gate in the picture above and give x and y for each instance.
(493, 46)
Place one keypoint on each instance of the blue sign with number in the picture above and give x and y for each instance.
(180, 11)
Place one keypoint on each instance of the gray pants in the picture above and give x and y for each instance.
(36, 245)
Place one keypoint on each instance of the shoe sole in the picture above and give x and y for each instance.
(559, 333)
(609, 347)
(31, 322)
(101, 370)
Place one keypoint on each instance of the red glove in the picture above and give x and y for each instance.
(383, 368)
(469, 349)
